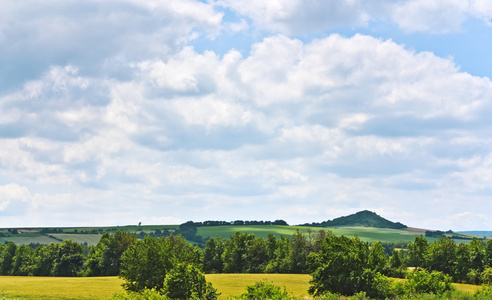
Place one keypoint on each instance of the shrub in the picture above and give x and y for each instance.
(486, 276)
(423, 282)
(264, 290)
(484, 293)
(185, 281)
(145, 294)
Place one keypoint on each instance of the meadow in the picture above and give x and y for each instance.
(87, 235)
(98, 288)
(366, 234)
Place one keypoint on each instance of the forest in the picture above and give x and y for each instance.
(357, 266)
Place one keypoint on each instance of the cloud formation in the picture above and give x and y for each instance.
(120, 119)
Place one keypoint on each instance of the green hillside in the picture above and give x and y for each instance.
(368, 226)
(363, 218)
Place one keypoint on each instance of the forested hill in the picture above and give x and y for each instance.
(363, 218)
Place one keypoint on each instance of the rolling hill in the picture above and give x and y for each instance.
(363, 218)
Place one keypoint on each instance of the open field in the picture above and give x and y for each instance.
(24, 287)
(365, 233)
(63, 288)
(91, 235)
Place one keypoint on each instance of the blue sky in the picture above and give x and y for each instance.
(160, 112)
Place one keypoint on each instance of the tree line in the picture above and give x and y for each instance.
(245, 253)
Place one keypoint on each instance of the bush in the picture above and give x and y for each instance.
(486, 276)
(185, 281)
(264, 290)
(145, 294)
(484, 293)
(423, 282)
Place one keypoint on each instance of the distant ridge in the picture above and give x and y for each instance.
(363, 218)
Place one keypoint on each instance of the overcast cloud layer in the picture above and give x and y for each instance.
(160, 112)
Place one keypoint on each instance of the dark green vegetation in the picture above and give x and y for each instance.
(363, 218)
(338, 264)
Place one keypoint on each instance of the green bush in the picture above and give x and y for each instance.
(486, 276)
(264, 290)
(423, 282)
(185, 281)
(145, 294)
(484, 293)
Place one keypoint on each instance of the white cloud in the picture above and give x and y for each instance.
(144, 125)
(100, 37)
(296, 17)
(11, 193)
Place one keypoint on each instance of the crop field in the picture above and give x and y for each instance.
(24, 287)
(90, 238)
(364, 233)
(23, 239)
(230, 285)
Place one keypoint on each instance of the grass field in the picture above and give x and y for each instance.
(32, 235)
(62, 288)
(365, 234)
(58, 288)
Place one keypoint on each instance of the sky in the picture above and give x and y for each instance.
(161, 112)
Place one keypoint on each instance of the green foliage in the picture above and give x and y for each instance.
(105, 258)
(185, 281)
(484, 293)
(342, 266)
(265, 290)
(423, 282)
(418, 252)
(146, 294)
(69, 259)
(234, 256)
(212, 256)
(146, 263)
(363, 218)
(486, 276)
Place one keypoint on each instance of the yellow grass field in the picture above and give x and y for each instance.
(58, 288)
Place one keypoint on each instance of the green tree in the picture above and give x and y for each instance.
(235, 253)
(22, 261)
(377, 260)
(463, 262)
(477, 255)
(442, 256)
(342, 266)
(256, 256)
(298, 254)
(7, 258)
(488, 254)
(418, 252)
(145, 264)
(212, 255)
(395, 261)
(69, 260)
(105, 258)
(186, 281)
(44, 258)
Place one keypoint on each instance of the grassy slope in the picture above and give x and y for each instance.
(96, 288)
(364, 233)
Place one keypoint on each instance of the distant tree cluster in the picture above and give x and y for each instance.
(237, 222)
(467, 263)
